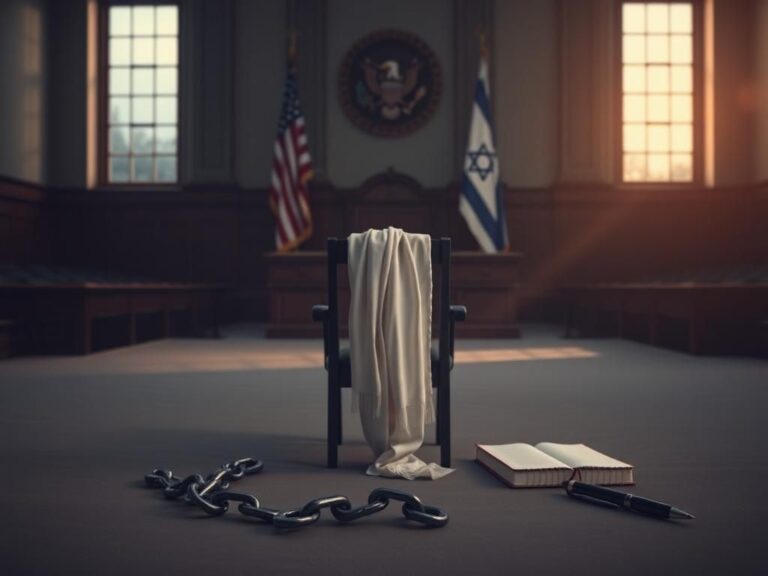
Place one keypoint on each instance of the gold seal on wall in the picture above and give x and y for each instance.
(389, 83)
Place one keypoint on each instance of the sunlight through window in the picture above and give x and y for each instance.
(657, 89)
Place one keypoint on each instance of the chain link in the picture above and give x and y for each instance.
(212, 495)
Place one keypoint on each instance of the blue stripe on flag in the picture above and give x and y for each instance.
(481, 99)
(492, 226)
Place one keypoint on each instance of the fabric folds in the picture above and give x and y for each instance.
(390, 322)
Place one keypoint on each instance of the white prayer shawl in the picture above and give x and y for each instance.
(390, 325)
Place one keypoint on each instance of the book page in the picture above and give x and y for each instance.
(580, 456)
(522, 456)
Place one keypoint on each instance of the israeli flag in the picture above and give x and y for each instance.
(481, 201)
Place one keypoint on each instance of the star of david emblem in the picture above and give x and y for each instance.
(481, 161)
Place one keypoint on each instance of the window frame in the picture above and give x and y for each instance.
(697, 34)
(103, 99)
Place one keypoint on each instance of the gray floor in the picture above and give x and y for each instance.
(79, 433)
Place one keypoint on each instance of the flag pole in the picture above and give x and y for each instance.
(291, 165)
(292, 34)
(481, 201)
(484, 52)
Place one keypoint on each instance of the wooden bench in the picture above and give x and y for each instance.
(54, 314)
(701, 316)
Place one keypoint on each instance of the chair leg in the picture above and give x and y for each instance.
(334, 415)
(444, 431)
(437, 419)
(338, 424)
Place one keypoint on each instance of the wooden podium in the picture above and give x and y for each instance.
(486, 284)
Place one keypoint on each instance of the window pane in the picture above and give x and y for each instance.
(119, 51)
(119, 110)
(658, 108)
(658, 167)
(142, 140)
(633, 49)
(634, 78)
(142, 111)
(633, 18)
(658, 79)
(118, 140)
(166, 169)
(634, 138)
(167, 20)
(144, 20)
(166, 110)
(681, 18)
(657, 84)
(682, 138)
(165, 139)
(167, 51)
(682, 109)
(682, 167)
(634, 108)
(119, 169)
(658, 138)
(658, 48)
(119, 21)
(144, 51)
(143, 81)
(142, 169)
(658, 18)
(681, 49)
(119, 81)
(167, 81)
(634, 167)
(141, 69)
(682, 79)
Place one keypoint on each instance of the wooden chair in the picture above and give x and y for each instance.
(337, 359)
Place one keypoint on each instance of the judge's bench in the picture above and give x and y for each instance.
(486, 283)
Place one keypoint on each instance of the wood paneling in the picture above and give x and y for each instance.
(586, 91)
(23, 225)
(215, 236)
(486, 283)
(566, 235)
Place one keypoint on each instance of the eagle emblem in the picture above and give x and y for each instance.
(389, 83)
(394, 93)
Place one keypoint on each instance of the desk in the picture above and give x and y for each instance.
(487, 284)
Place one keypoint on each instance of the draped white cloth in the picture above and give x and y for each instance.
(390, 325)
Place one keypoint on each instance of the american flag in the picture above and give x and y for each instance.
(291, 170)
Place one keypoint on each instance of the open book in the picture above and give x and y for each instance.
(549, 464)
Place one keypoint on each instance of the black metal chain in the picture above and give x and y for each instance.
(212, 495)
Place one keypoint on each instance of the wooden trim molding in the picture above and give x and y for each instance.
(22, 190)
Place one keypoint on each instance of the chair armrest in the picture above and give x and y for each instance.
(458, 313)
(319, 313)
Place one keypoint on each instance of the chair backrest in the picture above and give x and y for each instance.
(338, 252)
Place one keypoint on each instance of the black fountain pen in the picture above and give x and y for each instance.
(624, 500)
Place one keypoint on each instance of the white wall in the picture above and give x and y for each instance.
(427, 154)
(23, 89)
(526, 103)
